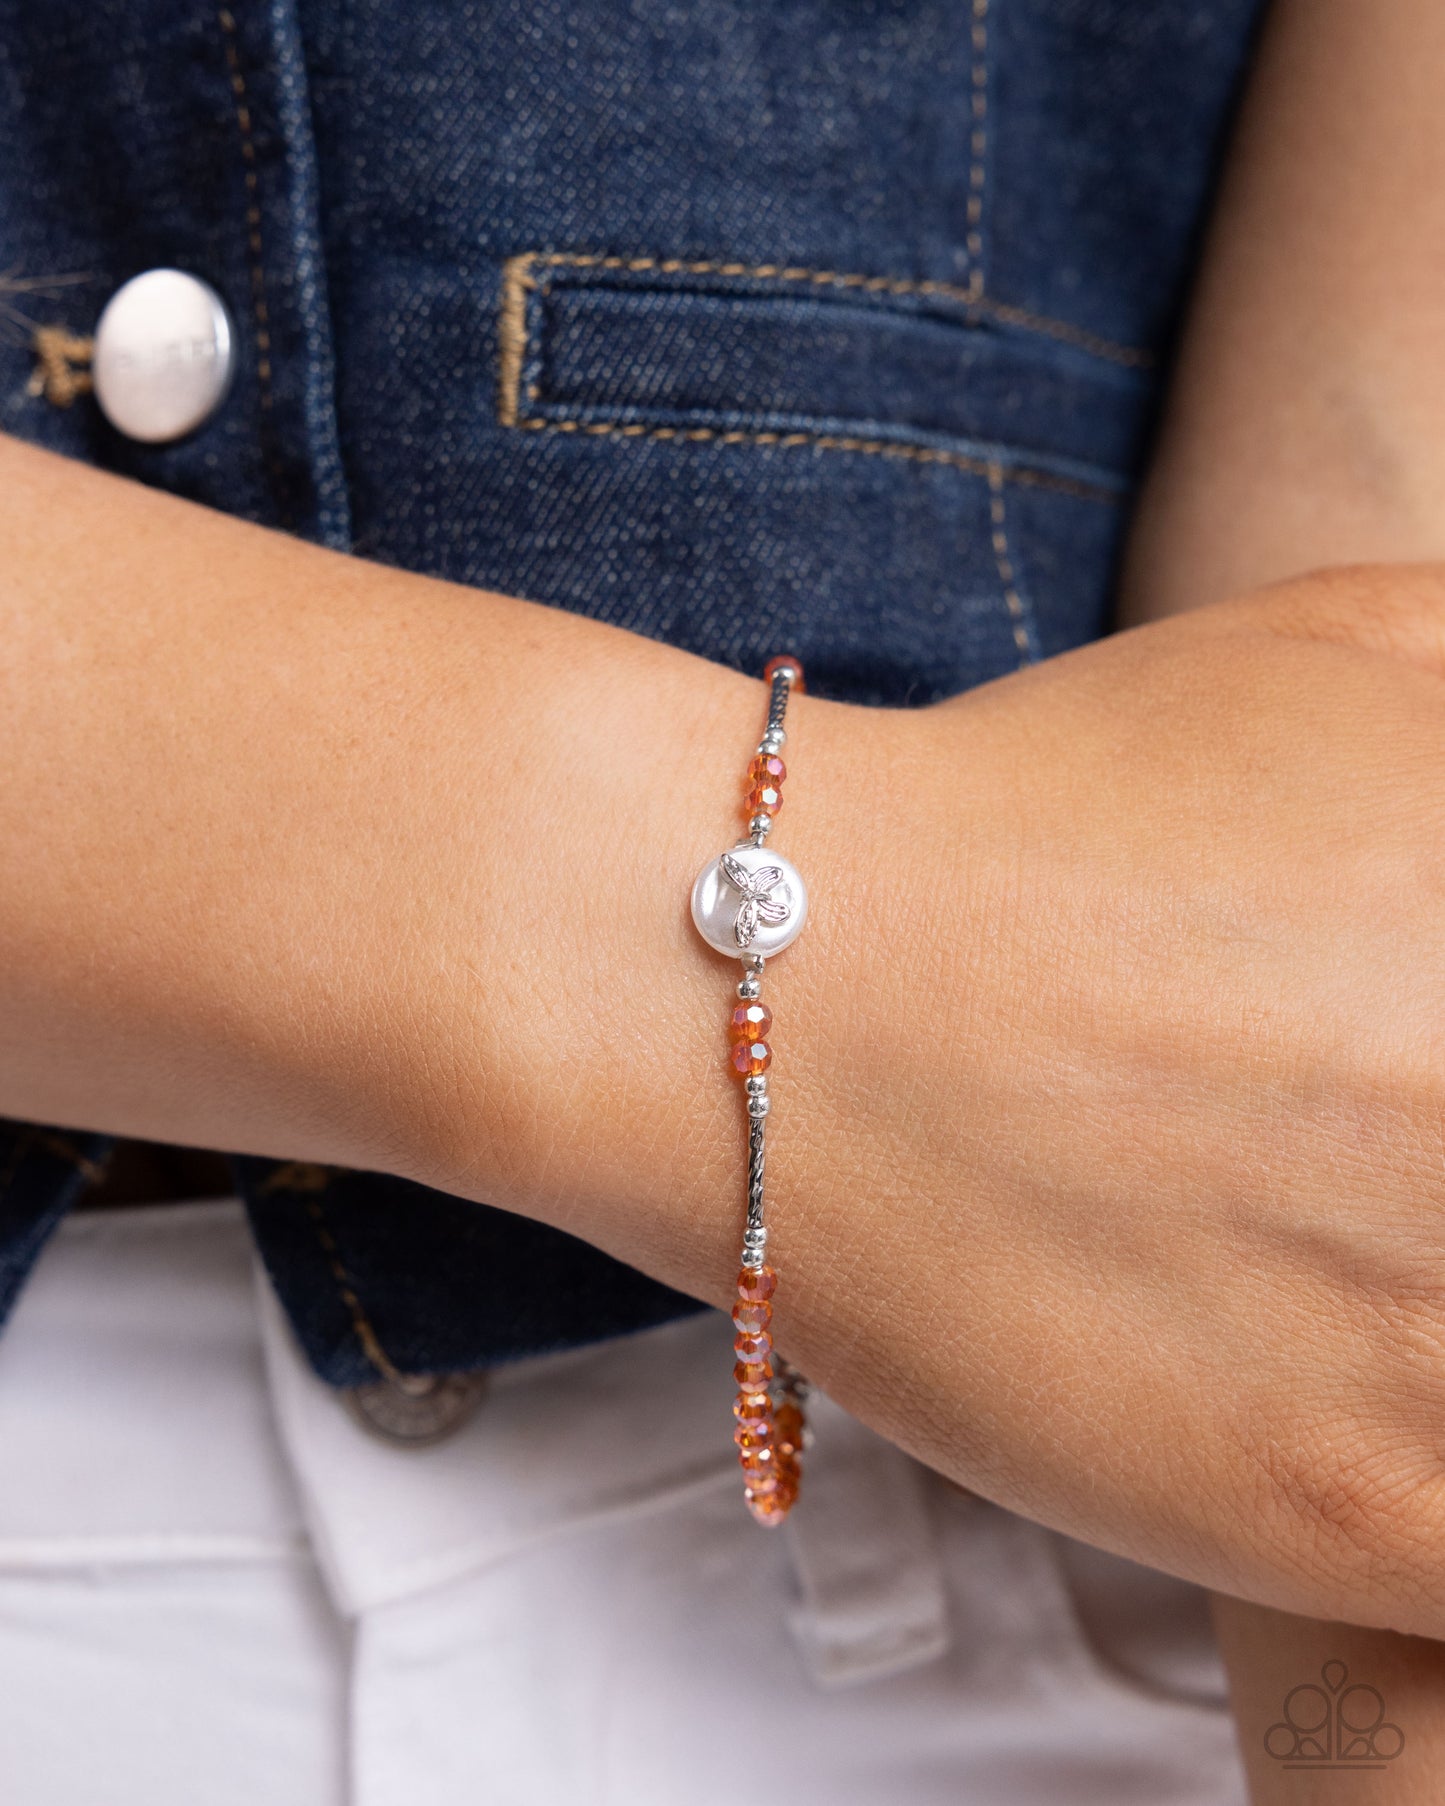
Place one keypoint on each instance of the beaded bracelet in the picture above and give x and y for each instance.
(750, 903)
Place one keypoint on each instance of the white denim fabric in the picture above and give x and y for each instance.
(217, 1588)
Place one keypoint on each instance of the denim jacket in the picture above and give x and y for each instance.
(833, 325)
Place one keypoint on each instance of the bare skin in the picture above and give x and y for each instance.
(1305, 428)
(1110, 1094)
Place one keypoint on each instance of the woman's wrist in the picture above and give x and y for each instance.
(583, 1079)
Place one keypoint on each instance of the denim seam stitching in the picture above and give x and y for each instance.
(513, 335)
(882, 448)
(978, 146)
(1025, 636)
(307, 1179)
(518, 279)
(259, 306)
(92, 1171)
(311, 306)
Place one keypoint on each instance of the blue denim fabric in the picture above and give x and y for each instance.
(836, 327)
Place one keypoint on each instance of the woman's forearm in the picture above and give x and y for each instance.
(315, 858)
(275, 821)
(1075, 1163)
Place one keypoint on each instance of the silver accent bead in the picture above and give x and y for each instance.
(759, 826)
(759, 1104)
(773, 742)
(750, 988)
(756, 1084)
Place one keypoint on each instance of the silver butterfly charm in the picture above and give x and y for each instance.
(766, 897)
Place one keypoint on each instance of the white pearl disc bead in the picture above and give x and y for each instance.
(717, 901)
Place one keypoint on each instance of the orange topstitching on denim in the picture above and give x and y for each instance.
(520, 277)
(308, 1180)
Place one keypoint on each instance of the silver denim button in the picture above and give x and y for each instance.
(164, 354)
(415, 1411)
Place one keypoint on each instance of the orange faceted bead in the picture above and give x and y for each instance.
(749, 1058)
(767, 768)
(750, 1022)
(763, 799)
(752, 1441)
(788, 1429)
(784, 658)
(753, 1377)
(752, 1319)
(756, 1284)
(753, 1410)
(753, 1349)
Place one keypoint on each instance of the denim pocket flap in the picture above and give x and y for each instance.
(723, 350)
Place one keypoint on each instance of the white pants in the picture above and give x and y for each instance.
(216, 1588)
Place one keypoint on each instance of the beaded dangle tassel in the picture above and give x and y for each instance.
(750, 903)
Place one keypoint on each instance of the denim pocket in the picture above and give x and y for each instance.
(860, 442)
(772, 354)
